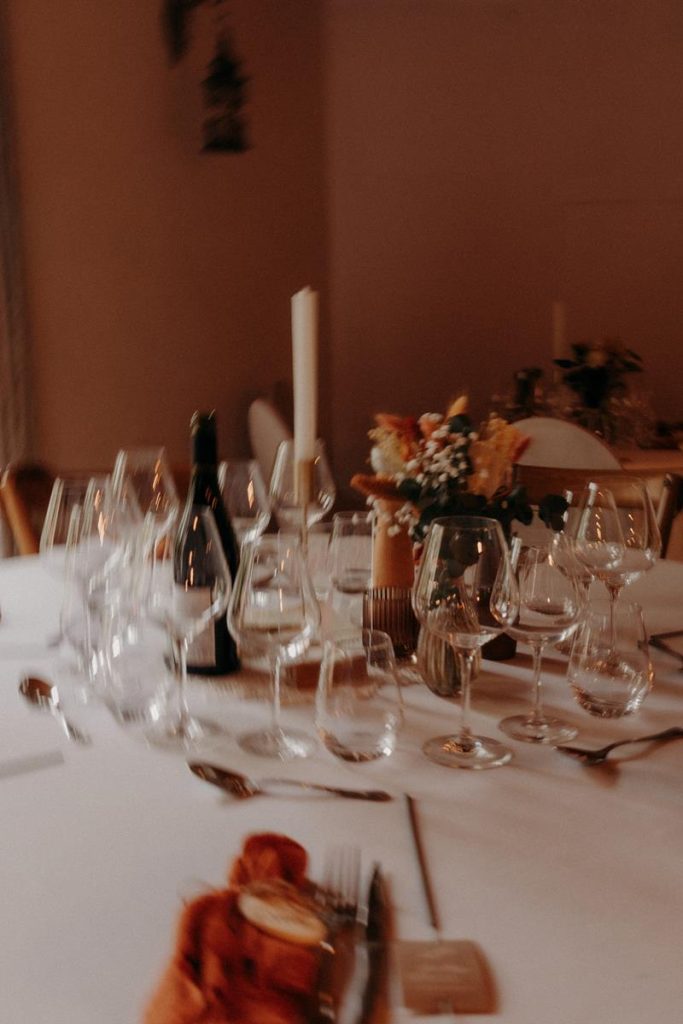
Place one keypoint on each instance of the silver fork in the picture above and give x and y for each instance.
(591, 757)
(339, 895)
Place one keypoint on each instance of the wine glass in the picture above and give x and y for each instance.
(465, 575)
(245, 497)
(293, 509)
(143, 474)
(58, 540)
(274, 612)
(190, 588)
(551, 603)
(616, 541)
(101, 545)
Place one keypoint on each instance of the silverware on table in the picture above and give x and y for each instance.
(46, 697)
(422, 863)
(242, 787)
(30, 763)
(593, 757)
(376, 943)
(659, 640)
(339, 896)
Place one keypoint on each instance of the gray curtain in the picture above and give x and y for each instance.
(14, 420)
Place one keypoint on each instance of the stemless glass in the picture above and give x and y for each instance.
(464, 575)
(551, 603)
(274, 612)
(291, 512)
(359, 707)
(610, 671)
(190, 589)
(245, 497)
(616, 541)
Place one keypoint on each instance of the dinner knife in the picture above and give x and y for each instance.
(377, 946)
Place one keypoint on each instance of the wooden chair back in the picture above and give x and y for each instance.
(665, 489)
(25, 490)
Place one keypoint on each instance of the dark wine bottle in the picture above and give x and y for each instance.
(214, 651)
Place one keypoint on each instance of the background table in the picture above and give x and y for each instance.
(568, 878)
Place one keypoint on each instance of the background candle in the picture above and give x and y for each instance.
(305, 372)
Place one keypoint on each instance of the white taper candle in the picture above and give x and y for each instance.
(305, 372)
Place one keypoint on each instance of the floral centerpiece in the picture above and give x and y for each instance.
(440, 465)
(598, 370)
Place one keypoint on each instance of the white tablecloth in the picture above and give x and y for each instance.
(568, 878)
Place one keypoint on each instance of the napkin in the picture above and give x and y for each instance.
(224, 969)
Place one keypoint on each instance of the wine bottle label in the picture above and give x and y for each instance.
(189, 606)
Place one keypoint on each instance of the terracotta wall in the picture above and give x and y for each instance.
(487, 158)
(441, 170)
(159, 279)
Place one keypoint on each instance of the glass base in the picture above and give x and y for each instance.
(478, 752)
(181, 734)
(277, 743)
(547, 730)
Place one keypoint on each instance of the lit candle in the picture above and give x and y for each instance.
(305, 372)
(559, 330)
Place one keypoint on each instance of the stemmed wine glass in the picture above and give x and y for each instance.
(465, 592)
(292, 510)
(551, 604)
(146, 474)
(274, 612)
(58, 540)
(245, 497)
(190, 588)
(617, 542)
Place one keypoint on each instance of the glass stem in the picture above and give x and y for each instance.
(180, 652)
(537, 717)
(465, 662)
(275, 669)
(613, 590)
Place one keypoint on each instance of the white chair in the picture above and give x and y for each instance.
(267, 429)
(563, 445)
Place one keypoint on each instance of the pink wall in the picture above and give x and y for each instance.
(159, 279)
(467, 162)
(487, 158)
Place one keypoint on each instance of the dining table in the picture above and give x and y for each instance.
(568, 879)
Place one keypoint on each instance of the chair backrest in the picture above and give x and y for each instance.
(558, 443)
(267, 429)
(25, 491)
(665, 489)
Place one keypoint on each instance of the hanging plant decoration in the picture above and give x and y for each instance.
(224, 88)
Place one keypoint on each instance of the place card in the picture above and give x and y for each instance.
(449, 975)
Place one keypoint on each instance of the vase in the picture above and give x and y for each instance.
(393, 564)
(438, 665)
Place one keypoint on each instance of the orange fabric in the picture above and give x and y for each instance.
(226, 971)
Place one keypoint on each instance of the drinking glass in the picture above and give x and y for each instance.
(351, 551)
(58, 541)
(551, 603)
(245, 497)
(190, 589)
(274, 612)
(359, 708)
(465, 575)
(617, 542)
(144, 474)
(101, 544)
(291, 510)
(610, 671)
